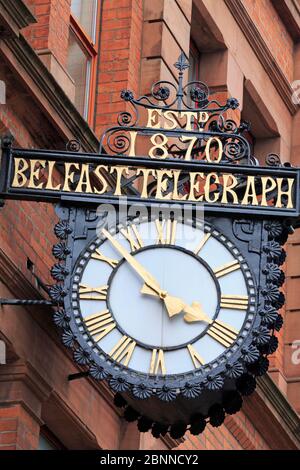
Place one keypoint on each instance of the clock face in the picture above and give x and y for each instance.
(163, 297)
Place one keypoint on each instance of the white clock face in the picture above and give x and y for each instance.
(163, 297)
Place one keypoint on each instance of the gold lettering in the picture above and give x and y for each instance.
(223, 333)
(84, 180)
(166, 231)
(101, 178)
(157, 362)
(171, 117)
(194, 186)
(119, 170)
(162, 183)
(195, 356)
(288, 193)
(35, 173)
(92, 293)
(229, 182)
(69, 175)
(208, 148)
(250, 192)
(176, 196)
(189, 121)
(100, 257)
(207, 187)
(123, 350)
(153, 118)
(265, 180)
(99, 324)
(49, 184)
(133, 237)
(146, 173)
(20, 167)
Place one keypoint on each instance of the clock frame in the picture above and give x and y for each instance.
(259, 256)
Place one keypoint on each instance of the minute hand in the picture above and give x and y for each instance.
(147, 277)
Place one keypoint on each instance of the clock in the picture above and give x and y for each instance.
(162, 298)
(172, 312)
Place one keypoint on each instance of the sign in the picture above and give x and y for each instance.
(177, 315)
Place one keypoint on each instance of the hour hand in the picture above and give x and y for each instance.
(195, 313)
(174, 305)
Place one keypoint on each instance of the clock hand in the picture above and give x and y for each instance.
(174, 305)
(194, 313)
(150, 281)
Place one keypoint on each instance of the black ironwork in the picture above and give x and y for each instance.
(78, 375)
(264, 256)
(193, 97)
(7, 191)
(26, 302)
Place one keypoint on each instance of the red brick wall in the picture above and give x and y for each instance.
(274, 33)
(52, 28)
(18, 429)
(26, 228)
(120, 55)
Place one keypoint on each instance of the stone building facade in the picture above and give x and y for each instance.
(62, 68)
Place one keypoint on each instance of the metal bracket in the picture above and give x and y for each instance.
(78, 375)
(25, 302)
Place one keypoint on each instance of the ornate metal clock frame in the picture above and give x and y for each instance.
(209, 142)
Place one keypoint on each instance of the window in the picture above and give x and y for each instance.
(83, 52)
(194, 60)
(48, 441)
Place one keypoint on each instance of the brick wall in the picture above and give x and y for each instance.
(273, 31)
(52, 29)
(120, 53)
(139, 42)
(18, 429)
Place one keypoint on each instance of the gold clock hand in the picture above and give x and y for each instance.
(174, 305)
(194, 313)
(150, 281)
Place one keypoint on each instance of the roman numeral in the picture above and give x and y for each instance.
(92, 293)
(202, 242)
(196, 358)
(166, 231)
(222, 332)
(157, 364)
(100, 257)
(236, 302)
(99, 324)
(133, 237)
(227, 268)
(123, 350)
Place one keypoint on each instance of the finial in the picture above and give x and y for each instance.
(182, 63)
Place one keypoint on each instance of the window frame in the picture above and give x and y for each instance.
(91, 49)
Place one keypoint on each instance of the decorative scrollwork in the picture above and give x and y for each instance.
(161, 92)
(273, 160)
(118, 142)
(125, 119)
(234, 150)
(73, 145)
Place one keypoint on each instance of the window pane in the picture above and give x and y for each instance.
(79, 68)
(85, 11)
(44, 444)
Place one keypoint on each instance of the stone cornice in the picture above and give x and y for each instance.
(286, 414)
(243, 19)
(14, 15)
(30, 67)
(289, 12)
